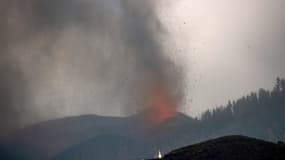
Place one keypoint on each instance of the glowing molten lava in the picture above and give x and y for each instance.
(162, 104)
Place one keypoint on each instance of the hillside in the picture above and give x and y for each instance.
(230, 148)
(259, 115)
(49, 139)
(102, 147)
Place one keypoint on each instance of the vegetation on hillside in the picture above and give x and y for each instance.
(259, 115)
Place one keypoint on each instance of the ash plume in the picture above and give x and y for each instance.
(70, 57)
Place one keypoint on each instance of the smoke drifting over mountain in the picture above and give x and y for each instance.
(69, 57)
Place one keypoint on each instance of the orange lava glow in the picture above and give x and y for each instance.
(162, 104)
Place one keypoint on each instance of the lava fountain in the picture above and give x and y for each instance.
(161, 103)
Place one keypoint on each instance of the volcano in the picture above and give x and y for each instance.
(62, 137)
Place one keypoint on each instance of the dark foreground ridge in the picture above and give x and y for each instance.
(230, 148)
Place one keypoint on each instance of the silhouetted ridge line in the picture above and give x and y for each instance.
(229, 148)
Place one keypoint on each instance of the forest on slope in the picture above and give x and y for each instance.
(260, 115)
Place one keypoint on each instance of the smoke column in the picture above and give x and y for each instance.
(70, 57)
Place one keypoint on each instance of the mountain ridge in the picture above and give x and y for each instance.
(49, 138)
(233, 147)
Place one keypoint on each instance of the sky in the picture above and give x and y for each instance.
(65, 58)
(232, 47)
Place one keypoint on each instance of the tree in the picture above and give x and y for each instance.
(250, 115)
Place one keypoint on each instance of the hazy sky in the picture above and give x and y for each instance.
(69, 57)
(232, 47)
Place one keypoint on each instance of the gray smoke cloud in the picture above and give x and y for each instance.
(70, 57)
